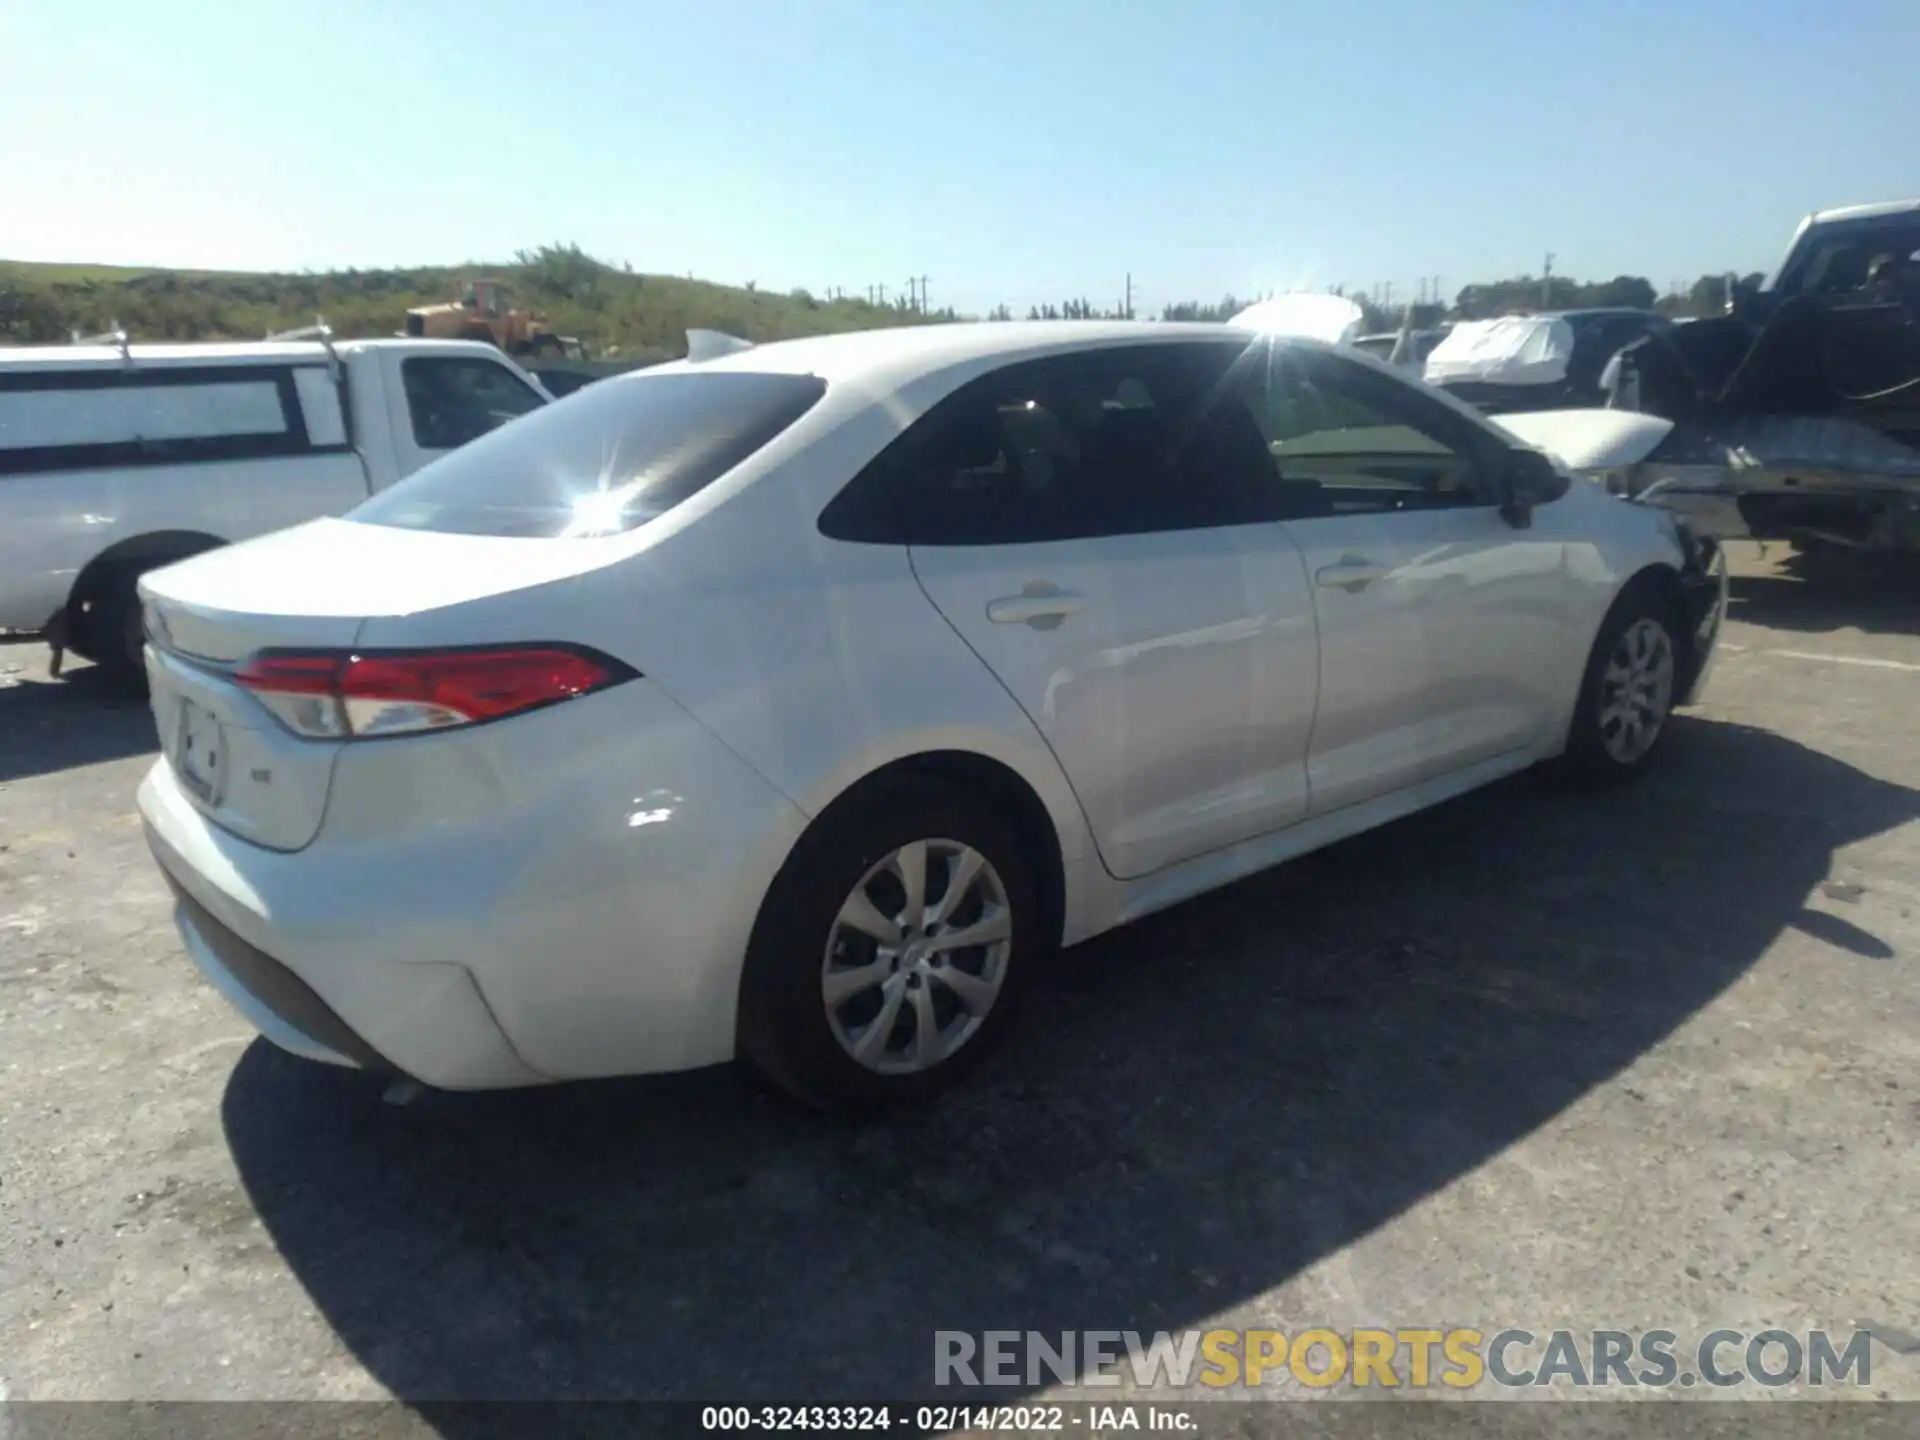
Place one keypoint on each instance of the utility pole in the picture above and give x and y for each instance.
(1389, 301)
(1546, 284)
(1126, 310)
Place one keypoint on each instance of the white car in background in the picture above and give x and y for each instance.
(795, 703)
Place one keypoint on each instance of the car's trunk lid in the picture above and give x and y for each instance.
(312, 587)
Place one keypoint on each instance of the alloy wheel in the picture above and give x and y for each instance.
(916, 956)
(1636, 690)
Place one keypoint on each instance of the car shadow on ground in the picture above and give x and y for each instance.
(1193, 1110)
(51, 723)
(1879, 595)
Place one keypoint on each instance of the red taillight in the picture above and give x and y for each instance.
(344, 694)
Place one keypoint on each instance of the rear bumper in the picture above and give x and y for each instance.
(559, 896)
(270, 997)
(427, 1021)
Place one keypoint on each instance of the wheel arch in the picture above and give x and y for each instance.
(1662, 580)
(1658, 577)
(145, 551)
(785, 1051)
(1012, 797)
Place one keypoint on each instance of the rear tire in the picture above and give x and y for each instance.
(1626, 692)
(853, 997)
(115, 638)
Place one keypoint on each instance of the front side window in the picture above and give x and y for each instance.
(608, 459)
(451, 401)
(1838, 259)
(1347, 440)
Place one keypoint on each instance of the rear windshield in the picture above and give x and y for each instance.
(607, 459)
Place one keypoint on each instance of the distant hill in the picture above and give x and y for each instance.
(614, 311)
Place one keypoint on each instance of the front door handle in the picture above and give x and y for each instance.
(1040, 606)
(1353, 574)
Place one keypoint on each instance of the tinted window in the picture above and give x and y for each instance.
(612, 457)
(105, 418)
(1105, 443)
(1345, 439)
(452, 401)
(1838, 258)
(1599, 339)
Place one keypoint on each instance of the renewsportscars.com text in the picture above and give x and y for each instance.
(1458, 1358)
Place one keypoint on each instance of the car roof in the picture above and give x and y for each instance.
(1864, 212)
(881, 363)
(210, 352)
(900, 355)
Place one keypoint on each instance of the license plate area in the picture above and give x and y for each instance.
(200, 753)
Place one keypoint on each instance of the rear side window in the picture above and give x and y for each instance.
(1116, 442)
(610, 458)
(106, 418)
(451, 401)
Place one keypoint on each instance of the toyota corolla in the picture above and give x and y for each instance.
(794, 704)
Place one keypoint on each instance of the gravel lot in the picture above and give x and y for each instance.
(1644, 1059)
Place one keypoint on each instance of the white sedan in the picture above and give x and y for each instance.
(794, 704)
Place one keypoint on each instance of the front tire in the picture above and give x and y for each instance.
(889, 954)
(1626, 693)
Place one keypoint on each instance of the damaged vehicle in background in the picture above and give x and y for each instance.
(1409, 345)
(1336, 320)
(1795, 416)
(1550, 361)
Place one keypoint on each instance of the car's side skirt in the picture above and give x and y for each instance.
(1127, 901)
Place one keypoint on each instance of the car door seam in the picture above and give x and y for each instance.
(1065, 775)
(1319, 664)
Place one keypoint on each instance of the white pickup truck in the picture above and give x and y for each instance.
(117, 458)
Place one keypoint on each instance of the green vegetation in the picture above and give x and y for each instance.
(616, 312)
(1706, 296)
(613, 310)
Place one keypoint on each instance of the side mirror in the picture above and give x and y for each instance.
(1530, 479)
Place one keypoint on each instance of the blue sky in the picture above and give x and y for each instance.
(1010, 151)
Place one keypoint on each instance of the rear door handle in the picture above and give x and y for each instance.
(1353, 573)
(1041, 608)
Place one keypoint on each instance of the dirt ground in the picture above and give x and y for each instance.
(1649, 1058)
